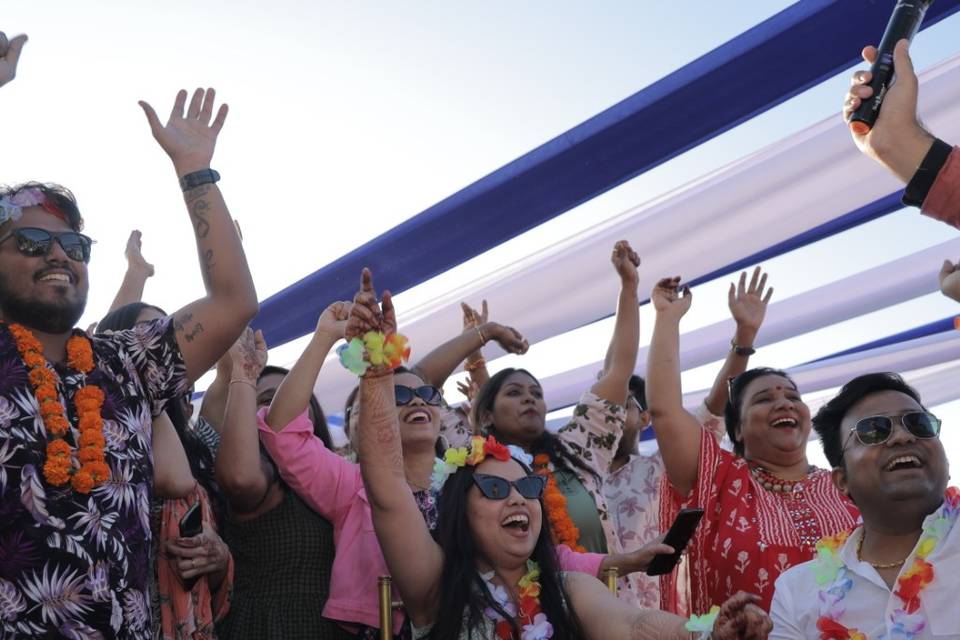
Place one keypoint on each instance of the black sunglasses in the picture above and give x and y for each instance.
(877, 429)
(35, 242)
(428, 393)
(497, 488)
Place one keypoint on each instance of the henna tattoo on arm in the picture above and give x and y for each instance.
(378, 418)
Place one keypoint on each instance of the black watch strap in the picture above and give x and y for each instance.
(741, 351)
(197, 178)
(922, 181)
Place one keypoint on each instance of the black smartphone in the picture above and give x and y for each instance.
(191, 524)
(679, 535)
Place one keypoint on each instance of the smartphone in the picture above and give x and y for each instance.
(679, 535)
(191, 524)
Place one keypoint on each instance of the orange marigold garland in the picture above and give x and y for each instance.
(562, 526)
(88, 400)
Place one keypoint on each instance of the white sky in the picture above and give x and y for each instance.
(372, 112)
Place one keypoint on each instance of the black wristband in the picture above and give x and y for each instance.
(741, 351)
(197, 178)
(922, 181)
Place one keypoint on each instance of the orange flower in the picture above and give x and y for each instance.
(564, 531)
(89, 454)
(58, 448)
(46, 393)
(33, 359)
(56, 425)
(82, 481)
(90, 421)
(92, 438)
(49, 408)
(56, 474)
(99, 470)
(42, 376)
(80, 354)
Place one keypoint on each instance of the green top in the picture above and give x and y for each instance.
(583, 512)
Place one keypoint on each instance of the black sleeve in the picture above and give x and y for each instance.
(921, 182)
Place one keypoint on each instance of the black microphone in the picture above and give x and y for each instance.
(904, 23)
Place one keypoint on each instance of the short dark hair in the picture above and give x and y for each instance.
(317, 417)
(59, 196)
(638, 389)
(731, 412)
(828, 418)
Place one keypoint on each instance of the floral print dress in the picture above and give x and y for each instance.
(74, 565)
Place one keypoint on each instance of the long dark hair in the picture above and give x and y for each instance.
(732, 412)
(198, 454)
(547, 442)
(461, 587)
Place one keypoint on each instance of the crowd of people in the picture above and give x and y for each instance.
(128, 514)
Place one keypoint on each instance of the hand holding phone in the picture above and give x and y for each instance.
(191, 524)
(681, 531)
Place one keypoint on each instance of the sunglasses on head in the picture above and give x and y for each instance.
(877, 429)
(497, 488)
(35, 242)
(428, 393)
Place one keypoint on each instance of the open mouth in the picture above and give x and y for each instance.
(56, 276)
(781, 423)
(530, 413)
(903, 462)
(417, 417)
(518, 522)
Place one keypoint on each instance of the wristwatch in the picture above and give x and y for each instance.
(197, 178)
(742, 351)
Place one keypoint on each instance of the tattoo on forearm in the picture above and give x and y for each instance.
(379, 416)
(199, 209)
(180, 323)
(207, 261)
(197, 330)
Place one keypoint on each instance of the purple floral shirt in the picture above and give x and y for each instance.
(74, 565)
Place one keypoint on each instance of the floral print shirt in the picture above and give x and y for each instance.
(74, 565)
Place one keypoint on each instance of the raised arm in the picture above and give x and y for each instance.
(136, 276)
(414, 559)
(748, 306)
(436, 366)
(240, 471)
(678, 432)
(207, 327)
(10, 56)
(295, 391)
(621, 357)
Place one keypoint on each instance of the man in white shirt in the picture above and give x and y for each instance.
(898, 574)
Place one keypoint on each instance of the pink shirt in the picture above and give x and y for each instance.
(332, 486)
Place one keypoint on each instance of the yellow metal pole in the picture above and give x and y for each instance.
(386, 608)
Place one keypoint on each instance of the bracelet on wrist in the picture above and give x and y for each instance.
(470, 367)
(196, 178)
(243, 381)
(483, 340)
(741, 350)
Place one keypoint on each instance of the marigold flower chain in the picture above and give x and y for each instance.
(564, 530)
(58, 469)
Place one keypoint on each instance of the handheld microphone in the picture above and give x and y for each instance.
(904, 23)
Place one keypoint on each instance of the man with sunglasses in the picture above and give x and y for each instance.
(896, 575)
(76, 465)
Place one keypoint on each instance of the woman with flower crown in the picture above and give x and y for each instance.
(490, 570)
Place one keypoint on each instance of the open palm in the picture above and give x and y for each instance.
(189, 138)
(9, 56)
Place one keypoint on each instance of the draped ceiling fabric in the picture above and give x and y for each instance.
(787, 195)
(804, 188)
(795, 49)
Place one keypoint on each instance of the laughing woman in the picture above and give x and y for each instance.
(490, 570)
(766, 506)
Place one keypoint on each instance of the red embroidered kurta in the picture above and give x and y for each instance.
(748, 535)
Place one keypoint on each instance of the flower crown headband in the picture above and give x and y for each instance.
(12, 206)
(473, 455)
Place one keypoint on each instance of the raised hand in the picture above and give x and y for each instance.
(741, 618)
(950, 280)
(667, 299)
(249, 356)
(748, 304)
(509, 339)
(9, 56)
(626, 261)
(135, 260)
(365, 315)
(473, 318)
(188, 138)
(897, 140)
(469, 388)
(333, 320)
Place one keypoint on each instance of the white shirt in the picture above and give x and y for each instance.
(869, 603)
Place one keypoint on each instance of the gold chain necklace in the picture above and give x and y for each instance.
(887, 565)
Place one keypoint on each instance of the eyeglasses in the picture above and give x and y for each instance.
(878, 429)
(428, 393)
(35, 242)
(497, 488)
